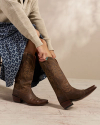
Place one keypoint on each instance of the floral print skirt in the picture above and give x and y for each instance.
(12, 45)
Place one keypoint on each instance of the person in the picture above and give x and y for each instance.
(24, 47)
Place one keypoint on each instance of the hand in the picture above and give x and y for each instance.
(52, 53)
(43, 51)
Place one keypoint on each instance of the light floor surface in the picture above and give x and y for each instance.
(83, 112)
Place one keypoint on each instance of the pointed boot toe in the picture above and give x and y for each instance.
(89, 90)
(43, 101)
(81, 94)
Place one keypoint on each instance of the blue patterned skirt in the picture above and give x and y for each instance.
(12, 45)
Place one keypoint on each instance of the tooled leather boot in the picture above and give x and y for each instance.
(64, 91)
(22, 91)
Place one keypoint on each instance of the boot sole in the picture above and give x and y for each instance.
(19, 100)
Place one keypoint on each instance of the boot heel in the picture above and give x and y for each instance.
(66, 104)
(17, 99)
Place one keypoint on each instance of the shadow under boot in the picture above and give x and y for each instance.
(64, 91)
(22, 88)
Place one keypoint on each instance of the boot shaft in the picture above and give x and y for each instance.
(26, 71)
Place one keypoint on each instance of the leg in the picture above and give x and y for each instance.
(30, 47)
(64, 91)
(22, 89)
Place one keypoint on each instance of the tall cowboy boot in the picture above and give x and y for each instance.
(22, 88)
(64, 91)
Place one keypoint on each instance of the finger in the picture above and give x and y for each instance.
(40, 55)
(52, 55)
(41, 60)
(44, 56)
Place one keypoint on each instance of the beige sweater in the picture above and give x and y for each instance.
(22, 15)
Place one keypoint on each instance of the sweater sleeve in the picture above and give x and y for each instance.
(15, 13)
(36, 18)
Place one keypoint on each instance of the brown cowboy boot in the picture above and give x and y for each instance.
(64, 91)
(22, 88)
